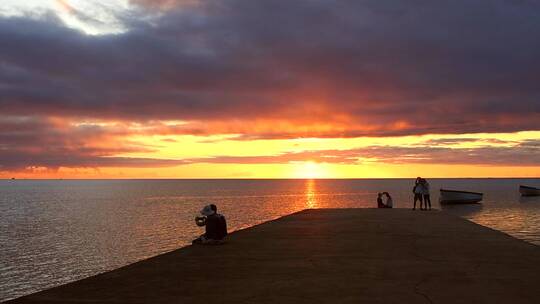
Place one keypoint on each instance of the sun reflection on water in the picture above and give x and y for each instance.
(311, 197)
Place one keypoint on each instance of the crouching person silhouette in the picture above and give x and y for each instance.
(215, 226)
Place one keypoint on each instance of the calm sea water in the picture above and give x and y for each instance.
(56, 231)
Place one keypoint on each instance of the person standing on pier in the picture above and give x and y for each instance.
(418, 192)
(389, 200)
(427, 199)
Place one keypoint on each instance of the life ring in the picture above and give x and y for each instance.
(200, 220)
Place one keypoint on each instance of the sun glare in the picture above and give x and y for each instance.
(309, 170)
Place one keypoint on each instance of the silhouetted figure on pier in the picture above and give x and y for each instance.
(389, 200)
(215, 226)
(380, 203)
(418, 191)
(427, 198)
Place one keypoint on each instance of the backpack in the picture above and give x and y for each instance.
(222, 227)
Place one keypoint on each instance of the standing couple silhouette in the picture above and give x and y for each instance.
(421, 193)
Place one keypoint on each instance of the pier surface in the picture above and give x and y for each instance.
(329, 256)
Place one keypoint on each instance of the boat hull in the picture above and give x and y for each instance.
(459, 197)
(529, 191)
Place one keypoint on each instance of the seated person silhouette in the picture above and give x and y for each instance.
(215, 226)
(380, 203)
(389, 201)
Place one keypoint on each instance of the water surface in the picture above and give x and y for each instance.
(56, 231)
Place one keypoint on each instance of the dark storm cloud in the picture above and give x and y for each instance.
(370, 68)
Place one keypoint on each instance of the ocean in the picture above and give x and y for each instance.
(57, 231)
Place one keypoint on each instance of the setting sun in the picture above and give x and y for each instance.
(310, 170)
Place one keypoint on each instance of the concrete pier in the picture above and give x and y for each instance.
(329, 256)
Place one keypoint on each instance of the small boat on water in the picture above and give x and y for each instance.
(529, 191)
(459, 197)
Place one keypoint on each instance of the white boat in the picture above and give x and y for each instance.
(529, 191)
(459, 197)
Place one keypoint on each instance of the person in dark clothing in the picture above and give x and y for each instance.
(418, 191)
(215, 226)
(427, 198)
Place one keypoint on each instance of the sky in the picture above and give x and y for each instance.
(269, 88)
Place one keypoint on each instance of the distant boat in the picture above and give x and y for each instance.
(459, 197)
(529, 191)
